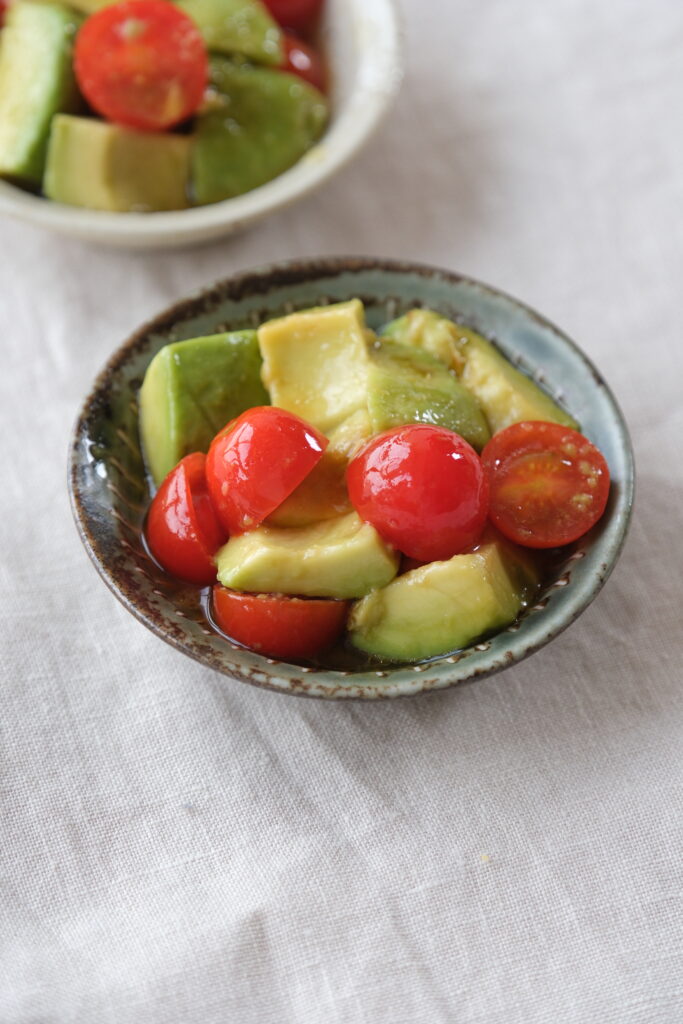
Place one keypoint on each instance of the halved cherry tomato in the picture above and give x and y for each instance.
(257, 461)
(302, 60)
(142, 63)
(183, 531)
(548, 483)
(422, 488)
(300, 15)
(279, 626)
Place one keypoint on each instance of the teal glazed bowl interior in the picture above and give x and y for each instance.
(109, 489)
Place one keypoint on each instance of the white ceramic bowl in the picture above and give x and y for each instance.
(361, 41)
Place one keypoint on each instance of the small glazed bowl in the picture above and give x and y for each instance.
(109, 490)
(361, 42)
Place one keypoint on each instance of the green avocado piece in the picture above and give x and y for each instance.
(237, 27)
(340, 558)
(427, 330)
(103, 166)
(505, 394)
(445, 606)
(191, 390)
(408, 385)
(258, 123)
(315, 363)
(36, 81)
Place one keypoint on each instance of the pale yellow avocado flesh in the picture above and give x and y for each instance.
(103, 166)
(444, 606)
(341, 558)
(315, 363)
(505, 394)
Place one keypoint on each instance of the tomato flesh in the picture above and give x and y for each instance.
(257, 461)
(302, 60)
(300, 15)
(424, 490)
(142, 63)
(549, 485)
(279, 626)
(183, 532)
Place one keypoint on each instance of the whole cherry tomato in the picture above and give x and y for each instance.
(423, 488)
(302, 60)
(183, 532)
(257, 461)
(142, 63)
(301, 15)
(548, 483)
(279, 626)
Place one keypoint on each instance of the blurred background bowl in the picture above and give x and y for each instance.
(109, 489)
(360, 39)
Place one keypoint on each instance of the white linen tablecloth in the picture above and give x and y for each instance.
(177, 847)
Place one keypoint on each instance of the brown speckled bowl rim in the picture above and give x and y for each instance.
(476, 662)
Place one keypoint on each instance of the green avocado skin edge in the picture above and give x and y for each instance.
(36, 82)
(191, 390)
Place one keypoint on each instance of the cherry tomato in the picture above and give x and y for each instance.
(302, 60)
(548, 483)
(257, 461)
(423, 488)
(279, 626)
(300, 15)
(183, 532)
(4, 6)
(142, 63)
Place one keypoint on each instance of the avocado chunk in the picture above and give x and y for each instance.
(36, 81)
(258, 123)
(445, 606)
(505, 394)
(105, 167)
(422, 328)
(191, 390)
(408, 385)
(237, 27)
(341, 558)
(315, 363)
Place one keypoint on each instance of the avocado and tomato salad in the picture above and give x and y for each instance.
(151, 105)
(331, 489)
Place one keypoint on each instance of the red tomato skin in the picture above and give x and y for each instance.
(549, 484)
(257, 461)
(279, 626)
(302, 60)
(423, 489)
(299, 15)
(142, 63)
(182, 530)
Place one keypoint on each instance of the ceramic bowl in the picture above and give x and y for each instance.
(361, 42)
(109, 491)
